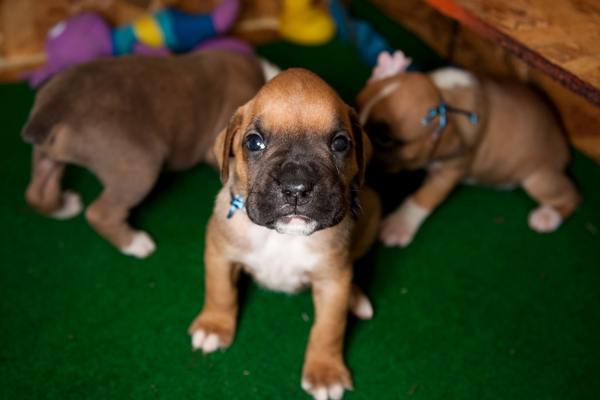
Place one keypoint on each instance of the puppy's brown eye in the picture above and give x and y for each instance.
(255, 142)
(340, 144)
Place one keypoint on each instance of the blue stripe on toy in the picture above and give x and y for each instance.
(190, 29)
(165, 21)
(123, 40)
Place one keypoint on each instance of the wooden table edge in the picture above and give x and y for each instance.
(566, 78)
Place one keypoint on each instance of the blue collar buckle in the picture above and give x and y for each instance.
(441, 112)
(236, 203)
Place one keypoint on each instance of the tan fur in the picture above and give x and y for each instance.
(296, 102)
(518, 141)
(126, 118)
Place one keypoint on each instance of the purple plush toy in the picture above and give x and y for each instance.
(88, 36)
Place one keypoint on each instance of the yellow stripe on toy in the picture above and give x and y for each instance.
(148, 31)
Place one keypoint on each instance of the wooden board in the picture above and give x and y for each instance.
(431, 26)
(559, 37)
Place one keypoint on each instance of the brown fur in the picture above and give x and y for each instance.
(126, 118)
(294, 103)
(517, 141)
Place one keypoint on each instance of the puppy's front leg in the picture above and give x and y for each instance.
(214, 327)
(325, 375)
(399, 228)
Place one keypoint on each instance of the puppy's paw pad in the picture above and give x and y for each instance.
(326, 380)
(544, 219)
(207, 342)
(141, 246)
(71, 206)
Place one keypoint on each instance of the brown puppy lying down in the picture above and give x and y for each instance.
(125, 119)
(292, 213)
(498, 134)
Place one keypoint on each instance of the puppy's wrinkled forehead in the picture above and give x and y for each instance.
(298, 100)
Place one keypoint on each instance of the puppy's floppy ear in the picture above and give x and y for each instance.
(223, 147)
(363, 152)
(362, 146)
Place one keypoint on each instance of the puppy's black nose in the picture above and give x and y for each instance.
(296, 183)
(296, 189)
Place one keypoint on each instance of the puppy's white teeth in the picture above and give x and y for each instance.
(198, 339)
(297, 221)
(336, 392)
(295, 226)
(211, 343)
(71, 206)
(141, 246)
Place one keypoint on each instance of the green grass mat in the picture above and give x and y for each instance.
(478, 307)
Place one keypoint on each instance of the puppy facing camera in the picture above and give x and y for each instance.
(464, 128)
(292, 163)
(125, 119)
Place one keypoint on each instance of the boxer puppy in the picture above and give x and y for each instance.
(124, 119)
(463, 128)
(293, 214)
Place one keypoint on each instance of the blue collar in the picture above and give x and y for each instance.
(441, 111)
(237, 203)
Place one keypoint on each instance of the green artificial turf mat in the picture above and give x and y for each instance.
(478, 307)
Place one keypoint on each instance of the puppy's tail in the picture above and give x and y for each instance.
(360, 305)
(40, 126)
(270, 70)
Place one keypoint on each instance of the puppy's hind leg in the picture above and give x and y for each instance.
(44, 192)
(557, 197)
(108, 215)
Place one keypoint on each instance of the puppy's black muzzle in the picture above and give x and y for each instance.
(296, 183)
(300, 185)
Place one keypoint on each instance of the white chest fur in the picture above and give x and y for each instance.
(278, 261)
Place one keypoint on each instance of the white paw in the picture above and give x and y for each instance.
(544, 219)
(334, 391)
(207, 342)
(71, 206)
(141, 246)
(361, 306)
(399, 228)
(395, 233)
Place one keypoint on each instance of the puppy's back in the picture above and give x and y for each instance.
(173, 99)
(523, 121)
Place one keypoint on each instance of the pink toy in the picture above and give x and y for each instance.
(390, 65)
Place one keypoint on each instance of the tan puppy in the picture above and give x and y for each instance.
(498, 134)
(295, 156)
(124, 119)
